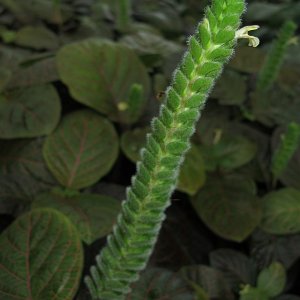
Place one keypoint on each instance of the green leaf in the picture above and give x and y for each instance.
(93, 215)
(41, 257)
(100, 75)
(36, 37)
(224, 92)
(133, 141)
(272, 279)
(29, 112)
(192, 172)
(229, 152)
(228, 207)
(211, 280)
(157, 283)
(237, 268)
(281, 211)
(252, 293)
(82, 149)
(24, 157)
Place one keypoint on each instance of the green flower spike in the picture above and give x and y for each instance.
(243, 34)
(135, 233)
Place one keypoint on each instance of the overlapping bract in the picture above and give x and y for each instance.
(135, 233)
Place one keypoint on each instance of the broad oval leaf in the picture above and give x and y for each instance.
(82, 149)
(157, 283)
(192, 172)
(101, 74)
(209, 279)
(41, 257)
(237, 267)
(281, 211)
(29, 112)
(228, 207)
(93, 215)
(272, 279)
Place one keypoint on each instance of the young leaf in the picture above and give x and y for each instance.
(82, 149)
(41, 257)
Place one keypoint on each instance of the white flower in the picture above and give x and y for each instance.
(243, 34)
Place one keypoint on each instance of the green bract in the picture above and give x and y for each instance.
(135, 233)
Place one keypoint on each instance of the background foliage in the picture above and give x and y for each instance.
(80, 81)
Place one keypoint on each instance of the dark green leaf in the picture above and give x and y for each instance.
(41, 257)
(82, 149)
(93, 215)
(29, 112)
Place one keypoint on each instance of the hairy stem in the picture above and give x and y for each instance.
(131, 243)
